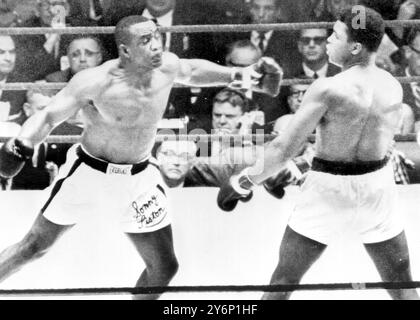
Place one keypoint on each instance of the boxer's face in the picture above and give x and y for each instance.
(339, 49)
(226, 117)
(145, 48)
(84, 54)
(7, 55)
(312, 44)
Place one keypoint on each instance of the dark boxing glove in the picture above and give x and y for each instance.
(272, 75)
(237, 189)
(13, 155)
(292, 172)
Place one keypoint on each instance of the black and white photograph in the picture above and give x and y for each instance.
(209, 150)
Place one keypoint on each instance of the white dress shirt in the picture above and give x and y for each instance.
(255, 38)
(322, 73)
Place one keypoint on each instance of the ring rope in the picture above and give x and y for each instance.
(20, 86)
(412, 137)
(196, 28)
(239, 288)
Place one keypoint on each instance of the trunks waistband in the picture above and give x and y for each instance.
(110, 168)
(348, 168)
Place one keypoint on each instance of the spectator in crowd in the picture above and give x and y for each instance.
(241, 53)
(280, 45)
(229, 114)
(412, 68)
(97, 12)
(175, 159)
(42, 54)
(8, 17)
(295, 96)
(10, 101)
(83, 52)
(312, 45)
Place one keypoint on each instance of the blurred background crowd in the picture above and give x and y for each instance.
(302, 54)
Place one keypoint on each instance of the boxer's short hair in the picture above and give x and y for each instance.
(122, 30)
(370, 33)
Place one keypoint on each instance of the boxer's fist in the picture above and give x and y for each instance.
(237, 189)
(271, 76)
(291, 173)
(13, 155)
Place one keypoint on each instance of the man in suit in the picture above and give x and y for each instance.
(280, 45)
(175, 159)
(42, 54)
(411, 91)
(10, 101)
(83, 52)
(312, 45)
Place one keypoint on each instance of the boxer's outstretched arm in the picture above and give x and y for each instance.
(265, 76)
(62, 106)
(287, 146)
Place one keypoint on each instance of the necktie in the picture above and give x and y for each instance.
(261, 39)
(316, 76)
(97, 7)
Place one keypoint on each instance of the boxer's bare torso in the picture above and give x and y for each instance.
(363, 112)
(123, 111)
(121, 108)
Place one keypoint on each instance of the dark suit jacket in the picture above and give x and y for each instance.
(299, 72)
(79, 11)
(16, 98)
(33, 60)
(408, 96)
(59, 76)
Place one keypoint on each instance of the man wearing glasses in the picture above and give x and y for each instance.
(312, 45)
(83, 52)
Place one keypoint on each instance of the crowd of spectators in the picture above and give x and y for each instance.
(301, 54)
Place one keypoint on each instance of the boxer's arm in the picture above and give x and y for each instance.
(264, 76)
(62, 106)
(279, 151)
(287, 146)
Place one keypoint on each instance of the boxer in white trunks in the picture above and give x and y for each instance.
(351, 182)
(122, 102)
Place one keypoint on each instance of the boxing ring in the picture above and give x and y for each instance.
(214, 248)
(221, 255)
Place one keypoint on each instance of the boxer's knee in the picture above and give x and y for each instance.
(164, 268)
(33, 246)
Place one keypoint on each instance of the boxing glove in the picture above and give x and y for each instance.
(13, 155)
(237, 189)
(272, 75)
(291, 173)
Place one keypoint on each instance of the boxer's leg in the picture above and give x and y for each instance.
(297, 254)
(157, 251)
(392, 260)
(42, 235)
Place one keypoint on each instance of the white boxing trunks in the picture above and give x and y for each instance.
(133, 195)
(331, 202)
